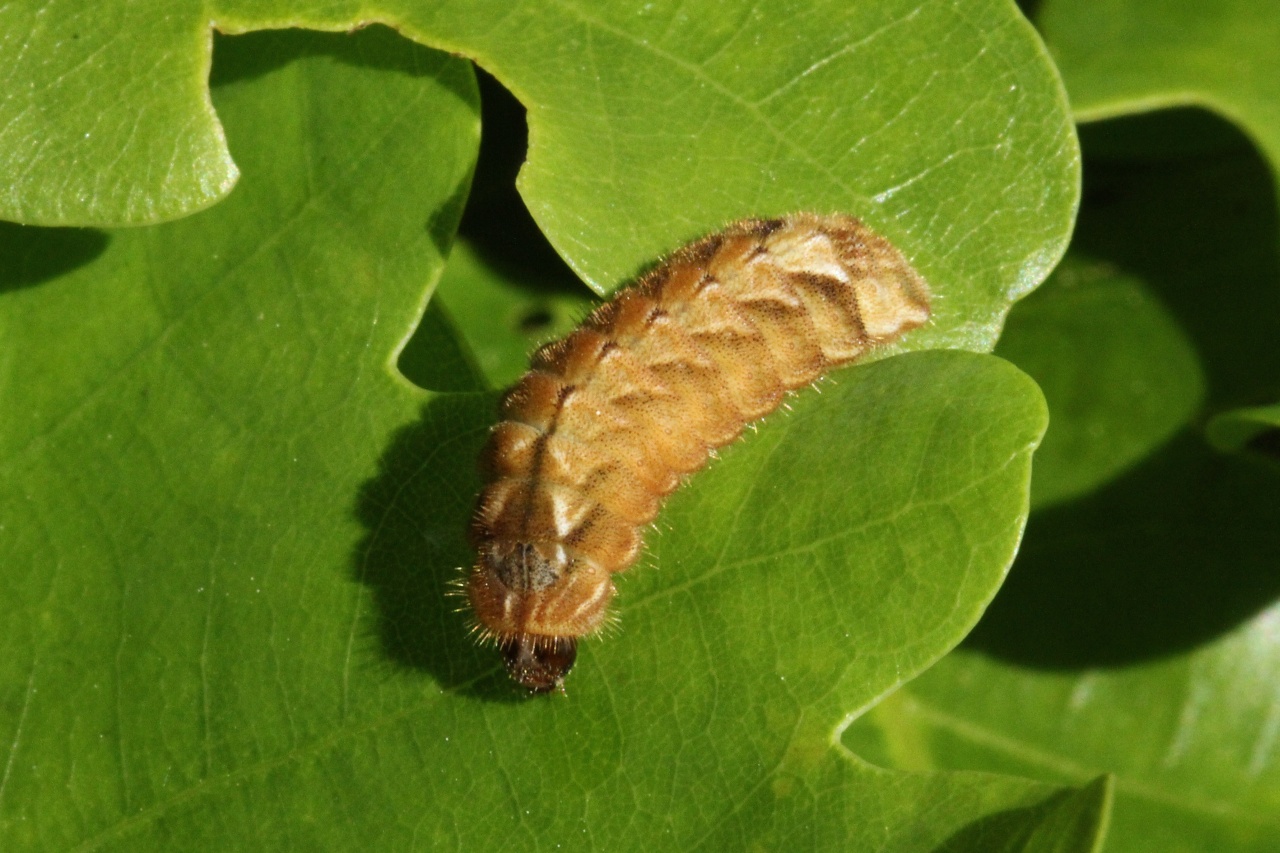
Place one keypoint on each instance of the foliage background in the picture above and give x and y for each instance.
(235, 484)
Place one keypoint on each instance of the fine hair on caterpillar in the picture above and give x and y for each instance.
(610, 419)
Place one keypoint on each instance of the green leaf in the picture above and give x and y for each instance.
(1140, 384)
(504, 317)
(105, 116)
(190, 410)
(1072, 820)
(230, 523)
(649, 126)
(767, 612)
(1138, 55)
(1137, 632)
(1252, 429)
(437, 357)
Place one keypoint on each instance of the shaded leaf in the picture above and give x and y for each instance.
(1137, 632)
(1138, 55)
(504, 317)
(1252, 429)
(1122, 375)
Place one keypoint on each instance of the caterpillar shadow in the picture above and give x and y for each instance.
(415, 513)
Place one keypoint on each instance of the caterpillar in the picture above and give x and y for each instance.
(610, 419)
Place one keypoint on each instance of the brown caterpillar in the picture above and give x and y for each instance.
(609, 420)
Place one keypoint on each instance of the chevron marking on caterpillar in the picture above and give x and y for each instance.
(609, 420)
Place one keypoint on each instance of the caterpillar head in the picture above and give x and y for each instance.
(535, 600)
(538, 663)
